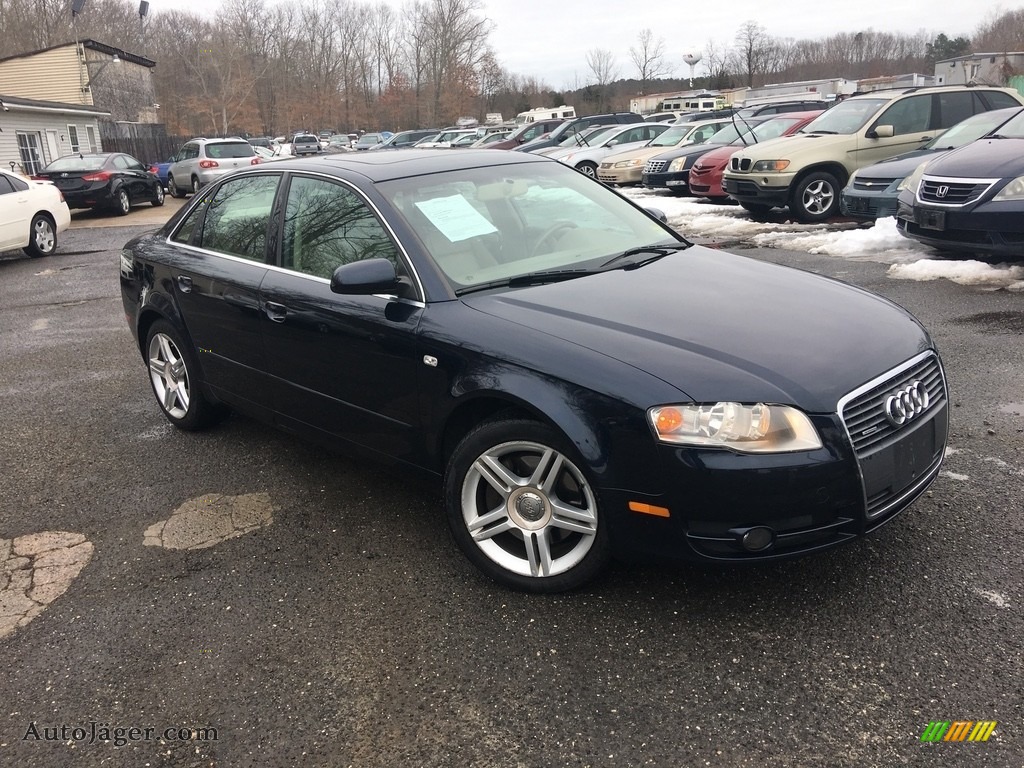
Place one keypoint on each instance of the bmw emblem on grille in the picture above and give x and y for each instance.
(906, 404)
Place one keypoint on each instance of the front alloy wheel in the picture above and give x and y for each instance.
(522, 510)
(816, 198)
(158, 195)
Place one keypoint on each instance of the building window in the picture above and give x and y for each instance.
(28, 148)
(73, 138)
(93, 144)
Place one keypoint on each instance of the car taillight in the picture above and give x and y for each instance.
(209, 164)
(256, 161)
(100, 176)
(154, 170)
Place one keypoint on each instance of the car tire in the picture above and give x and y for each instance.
(176, 381)
(122, 203)
(196, 186)
(587, 169)
(173, 188)
(158, 196)
(815, 198)
(42, 236)
(523, 510)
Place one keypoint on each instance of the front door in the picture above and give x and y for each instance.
(343, 365)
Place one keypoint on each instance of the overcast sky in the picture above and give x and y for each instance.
(550, 39)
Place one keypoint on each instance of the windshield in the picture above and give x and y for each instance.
(496, 223)
(730, 133)
(673, 135)
(76, 163)
(1014, 129)
(971, 129)
(771, 129)
(845, 117)
(369, 138)
(593, 137)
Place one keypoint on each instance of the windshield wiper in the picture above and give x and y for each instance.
(531, 278)
(656, 251)
(831, 133)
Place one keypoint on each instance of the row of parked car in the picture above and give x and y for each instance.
(947, 161)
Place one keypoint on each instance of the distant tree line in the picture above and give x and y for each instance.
(362, 64)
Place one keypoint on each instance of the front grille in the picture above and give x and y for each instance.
(952, 192)
(699, 171)
(864, 415)
(655, 166)
(739, 163)
(870, 185)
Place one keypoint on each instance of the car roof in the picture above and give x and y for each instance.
(385, 166)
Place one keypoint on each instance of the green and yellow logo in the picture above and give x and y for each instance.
(959, 730)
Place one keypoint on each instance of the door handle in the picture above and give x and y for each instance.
(276, 312)
(184, 284)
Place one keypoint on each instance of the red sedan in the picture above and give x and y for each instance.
(706, 174)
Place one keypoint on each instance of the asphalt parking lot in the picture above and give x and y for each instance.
(240, 598)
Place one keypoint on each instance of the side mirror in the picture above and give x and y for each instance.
(658, 214)
(365, 277)
(881, 132)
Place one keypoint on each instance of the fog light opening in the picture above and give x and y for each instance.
(757, 539)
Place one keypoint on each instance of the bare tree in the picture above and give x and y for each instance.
(604, 70)
(648, 56)
(754, 51)
(717, 58)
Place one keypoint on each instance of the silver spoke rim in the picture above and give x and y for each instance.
(529, 509)
(169, 376)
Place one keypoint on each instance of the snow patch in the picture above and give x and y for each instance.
(955, 476)
(995, 598)
(967, 272)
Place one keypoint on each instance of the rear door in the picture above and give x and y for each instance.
(14, 224)
(218, 261)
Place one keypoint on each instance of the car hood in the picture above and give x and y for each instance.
(717, 326)
(984, 158)
(899, 167)
(689, 149)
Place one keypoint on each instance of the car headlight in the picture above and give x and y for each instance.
(679, 164)
(769, 165)
(1012, 191)
(628, 163)
(757, 428)
(911, 181)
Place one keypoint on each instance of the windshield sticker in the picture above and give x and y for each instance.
(456, 218)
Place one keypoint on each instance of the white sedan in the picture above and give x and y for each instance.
(32, 214)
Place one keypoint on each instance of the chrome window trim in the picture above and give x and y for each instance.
(954, 180)
(287, 174)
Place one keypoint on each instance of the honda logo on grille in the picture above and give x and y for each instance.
(941, 191)
(907, 403)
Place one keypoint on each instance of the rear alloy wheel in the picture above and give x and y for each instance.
(587, 169)
(158, 198)
(196, 186)
(816, 198)
(42, 238)
(122, 203)
(522, 510)
(173, 188)
(174, 374)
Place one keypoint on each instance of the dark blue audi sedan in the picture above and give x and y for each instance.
(584, 382)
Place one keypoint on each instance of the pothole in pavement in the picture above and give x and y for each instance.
(34, 571)
(209, 520)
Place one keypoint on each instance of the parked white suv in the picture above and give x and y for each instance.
(807, 171)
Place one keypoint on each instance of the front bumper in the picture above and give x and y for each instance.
(620, 175)
(679, 180)
(706, 182)
(865, 474)
(868, 205)
(761, 189)
(994, 227)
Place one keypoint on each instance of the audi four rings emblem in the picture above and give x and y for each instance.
(907, 403)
